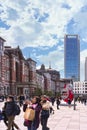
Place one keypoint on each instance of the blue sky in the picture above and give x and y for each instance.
(39, 26)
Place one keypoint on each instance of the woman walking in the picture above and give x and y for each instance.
(35, 105)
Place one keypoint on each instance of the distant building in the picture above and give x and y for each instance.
(51, 79)
(72, 57)
(40, 81)
(80, 87)
(86, 69)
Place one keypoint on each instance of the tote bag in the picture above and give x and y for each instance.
(29, 114)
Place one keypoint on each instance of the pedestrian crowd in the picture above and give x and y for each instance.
(36, 110)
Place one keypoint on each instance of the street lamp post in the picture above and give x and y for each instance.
(74, 99)
(74, 105)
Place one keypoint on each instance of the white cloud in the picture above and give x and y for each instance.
(34, 22)
(23, 16)
(80, 25)
(56, 58)
(61, 48)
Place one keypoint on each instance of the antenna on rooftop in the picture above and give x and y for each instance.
(49, 64)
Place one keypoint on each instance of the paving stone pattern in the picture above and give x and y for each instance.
(63, 119)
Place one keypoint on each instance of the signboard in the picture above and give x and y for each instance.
(72, 36)
(64, 93)
(67, 92)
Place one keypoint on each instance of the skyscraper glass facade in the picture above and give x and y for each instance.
(72, 57)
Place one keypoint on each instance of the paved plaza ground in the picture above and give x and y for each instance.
(63, 119)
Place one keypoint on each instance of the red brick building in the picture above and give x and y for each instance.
(17, 75)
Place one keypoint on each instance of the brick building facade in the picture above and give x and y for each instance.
(17, 74)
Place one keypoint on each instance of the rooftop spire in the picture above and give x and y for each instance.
(49, 65)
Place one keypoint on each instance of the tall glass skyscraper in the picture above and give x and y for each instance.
(72, 57)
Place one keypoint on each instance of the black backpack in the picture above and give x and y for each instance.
(1, 115)
(17, 109)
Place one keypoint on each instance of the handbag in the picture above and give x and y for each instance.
(27, 123)
(29, 114)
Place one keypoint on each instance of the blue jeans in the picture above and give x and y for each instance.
(29, 128)
(44, 123)
(34, 128)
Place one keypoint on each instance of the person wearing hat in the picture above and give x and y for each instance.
(45, 111)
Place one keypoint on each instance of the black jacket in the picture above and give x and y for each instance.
(10, 108)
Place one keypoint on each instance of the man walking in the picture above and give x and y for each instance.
(10, 112)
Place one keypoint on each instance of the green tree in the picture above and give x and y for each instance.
(48, 93)
(38, 92)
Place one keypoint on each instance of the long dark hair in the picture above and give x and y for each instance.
(38, 100)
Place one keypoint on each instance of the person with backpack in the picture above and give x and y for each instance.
(11, 112)
(5, 119)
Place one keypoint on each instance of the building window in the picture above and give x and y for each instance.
(7, 75)
(26, 79)
(26, 71)
(7, 62)
(0, 58)
(0, 71)
(23, 68)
